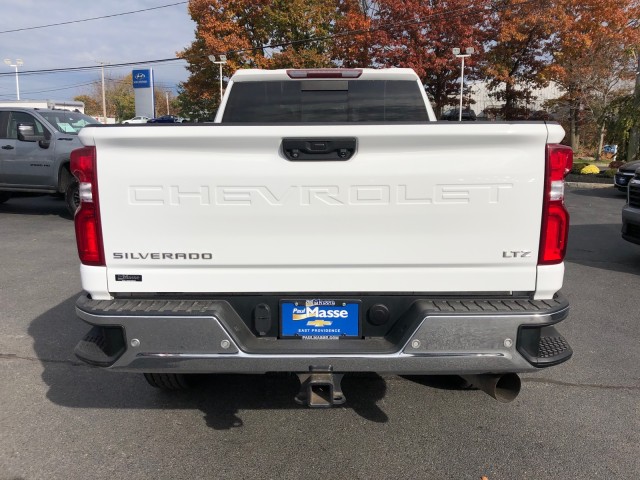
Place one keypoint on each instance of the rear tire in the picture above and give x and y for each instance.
(4, 196)
(168, 381)
(72, 197)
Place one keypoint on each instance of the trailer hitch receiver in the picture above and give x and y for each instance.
(320, 388)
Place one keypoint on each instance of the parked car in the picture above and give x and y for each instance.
(625, 174)
(35, 147)
(453, 115)
(166, 119)
(631, 211)
(139, 119)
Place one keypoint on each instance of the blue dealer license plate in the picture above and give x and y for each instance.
(320, 318)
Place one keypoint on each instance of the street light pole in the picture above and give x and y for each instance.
(222, 61)
(461, 88)
(220, 64)
(18, 63)
(462, 56)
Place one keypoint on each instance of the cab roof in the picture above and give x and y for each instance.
(253, 75)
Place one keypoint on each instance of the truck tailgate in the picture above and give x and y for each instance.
(435, 207)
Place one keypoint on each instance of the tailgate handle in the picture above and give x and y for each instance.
(318, 149)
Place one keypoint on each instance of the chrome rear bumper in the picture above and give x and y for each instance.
(208, 336)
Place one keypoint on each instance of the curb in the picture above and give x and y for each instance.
(588, 185)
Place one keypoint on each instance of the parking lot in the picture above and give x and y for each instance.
(62, 419)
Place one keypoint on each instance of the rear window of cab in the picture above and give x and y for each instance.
(325, 101)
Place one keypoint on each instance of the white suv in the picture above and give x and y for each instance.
(140, 119)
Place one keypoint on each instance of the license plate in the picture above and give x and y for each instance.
(319, 319)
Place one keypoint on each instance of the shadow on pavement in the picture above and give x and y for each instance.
(599, 193)
(442, 382)
(220, 397)
(73, 384)
(602, 246)
(36, 205)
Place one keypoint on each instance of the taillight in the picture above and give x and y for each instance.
(325, 73)
(555, 218)
(87, 219)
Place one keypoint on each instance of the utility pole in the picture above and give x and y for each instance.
(632, 148)
(167, 96)
(104, 100)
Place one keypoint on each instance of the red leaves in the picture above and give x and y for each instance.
(519, 44)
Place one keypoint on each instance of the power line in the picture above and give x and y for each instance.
(93, 18)
(67, 87)
(163, 85)
(92, 67)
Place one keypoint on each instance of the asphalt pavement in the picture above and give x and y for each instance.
(60, 419)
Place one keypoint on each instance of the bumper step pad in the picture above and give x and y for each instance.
(550, 347)
(543, 347)
(101, 346)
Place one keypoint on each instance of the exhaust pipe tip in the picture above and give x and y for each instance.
(507, 388)
(504, 388)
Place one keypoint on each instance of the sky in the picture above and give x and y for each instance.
(150, 35)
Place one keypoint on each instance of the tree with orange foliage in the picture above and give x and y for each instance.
(519, 40)
(421, 35)
(592, 51)
(254, 34)
(356, 31)
(521, 44)
(322, 33)
(413, 34)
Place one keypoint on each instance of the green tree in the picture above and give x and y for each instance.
(91, 105)
(199, 109)
(634, 136)
(198, 97)
(620, 117)
(119, 98)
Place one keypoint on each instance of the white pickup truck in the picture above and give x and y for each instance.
(324, 224)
